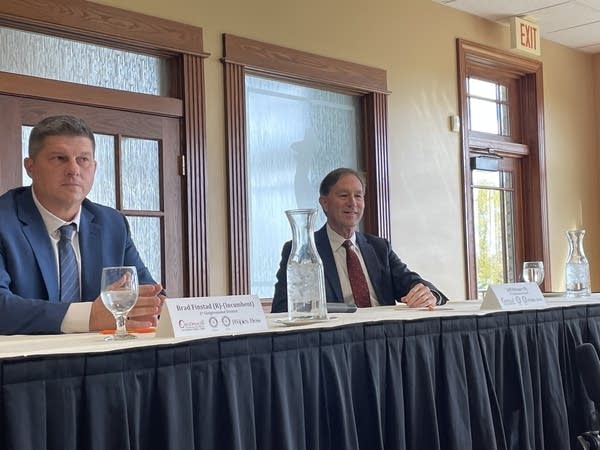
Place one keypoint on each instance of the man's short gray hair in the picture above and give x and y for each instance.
(58, 126)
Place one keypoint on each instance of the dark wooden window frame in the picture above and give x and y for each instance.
(113, 27)
(243, 56)
(535, 216)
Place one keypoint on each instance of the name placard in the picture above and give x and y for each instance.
(206, 316)
(513, 296)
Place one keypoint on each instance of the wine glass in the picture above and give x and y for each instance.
(533, 272)
(119, 292)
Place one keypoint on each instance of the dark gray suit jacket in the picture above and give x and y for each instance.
(390, 277)
(29, 285)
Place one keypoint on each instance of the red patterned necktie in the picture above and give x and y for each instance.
(358, 281)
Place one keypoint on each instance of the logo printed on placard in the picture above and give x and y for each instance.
(190, 326)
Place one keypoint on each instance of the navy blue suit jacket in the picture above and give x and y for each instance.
(390, 277)
(29, 285)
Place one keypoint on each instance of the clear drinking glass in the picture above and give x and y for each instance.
(533, 272)
(119, 292)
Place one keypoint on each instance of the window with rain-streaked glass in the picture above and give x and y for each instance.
(146, 233)
(295, 136)
(79, 62)
(140, 174)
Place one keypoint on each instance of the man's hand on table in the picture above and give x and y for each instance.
(144, 313)
(420, 296)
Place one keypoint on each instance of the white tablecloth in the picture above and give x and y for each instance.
(20, 345)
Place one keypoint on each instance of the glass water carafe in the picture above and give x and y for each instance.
(577, 266)
(305, 279)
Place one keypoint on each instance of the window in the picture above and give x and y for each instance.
(488, 107)
(495, 221)
(358, 92)
(496, 207)
(80, 62)
(295, 135)
(503, 165)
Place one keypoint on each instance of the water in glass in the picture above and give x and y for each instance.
(577, 268)
(119, 292)
(305, 278)
(533, 272)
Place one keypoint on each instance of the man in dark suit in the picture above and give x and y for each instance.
(62, 166)
(387, 278)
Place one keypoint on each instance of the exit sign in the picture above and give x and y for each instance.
(525, 36)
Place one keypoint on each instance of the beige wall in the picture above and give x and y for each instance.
(414, 41)
(571, 155)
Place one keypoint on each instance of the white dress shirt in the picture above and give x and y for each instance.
(77, 318)
(339, 255)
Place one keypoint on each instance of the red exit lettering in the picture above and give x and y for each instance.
(528, 36)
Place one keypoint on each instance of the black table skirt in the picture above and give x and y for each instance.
(500, 381)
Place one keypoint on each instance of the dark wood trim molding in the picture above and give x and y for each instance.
(509, 62)
(238, 198)
(537, 241)
(470, 257)
(377, 212)
(303, 66)
(535, 216)
(195, 152)
(243, 56)
(504, 148)
(33, 87)
(100, 24)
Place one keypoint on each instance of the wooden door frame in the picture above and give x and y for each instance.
(28, 111)
(117, 28)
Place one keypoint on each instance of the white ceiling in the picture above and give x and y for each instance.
(574, 23)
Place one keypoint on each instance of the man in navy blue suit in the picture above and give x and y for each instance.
(62, 166)
(388, 278)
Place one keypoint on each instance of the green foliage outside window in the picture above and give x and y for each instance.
(489, 239)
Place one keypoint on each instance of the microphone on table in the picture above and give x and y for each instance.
(588, 364)
(333, 307)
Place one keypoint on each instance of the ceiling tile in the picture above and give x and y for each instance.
(582, 36)
(591, 3)
(591, 49)
(564, 16)
(500, 9)
(574, 23)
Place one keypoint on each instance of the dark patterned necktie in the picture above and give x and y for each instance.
(358, 281)
(69, 271)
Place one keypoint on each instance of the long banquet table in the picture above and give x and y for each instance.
(382, 378)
